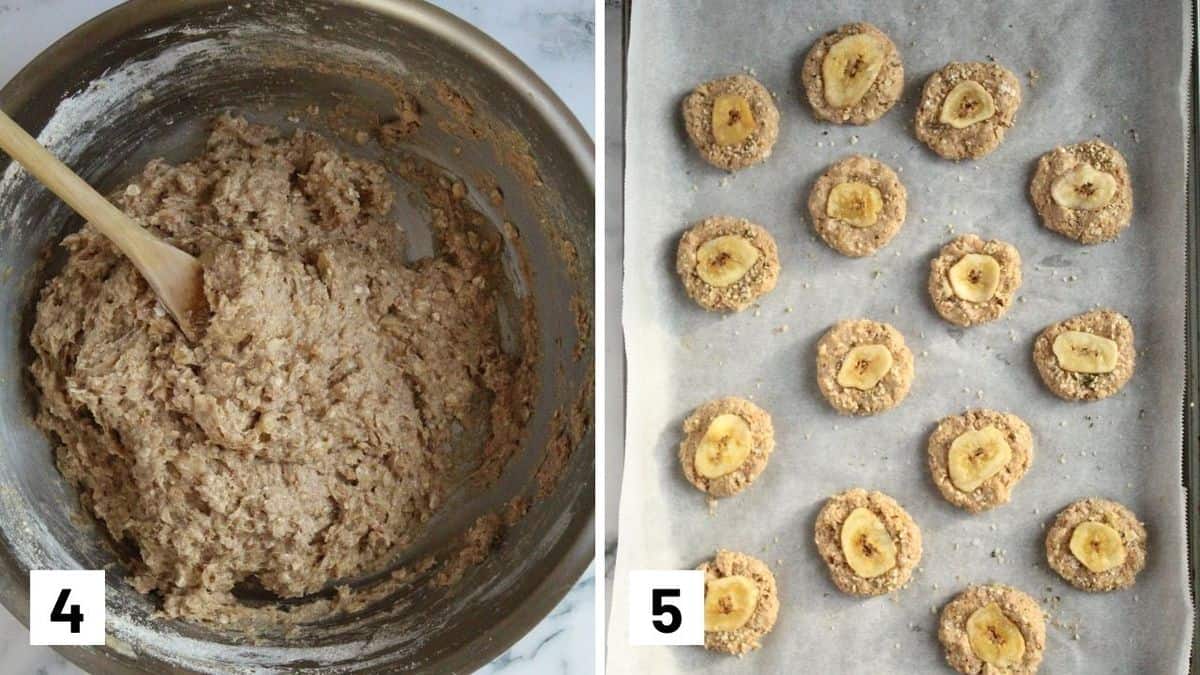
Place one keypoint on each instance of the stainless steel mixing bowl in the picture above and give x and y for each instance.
(140, 82)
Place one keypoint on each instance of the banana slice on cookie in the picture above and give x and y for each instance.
(732, 119)
(994, 638)
(729, 602)
(1081, 352)
(976, 456)
(725, 446)
(1083, 187)
(967, 103)
(850, 68)
(854, 203)
(975, 277)
(867, 545)
(724, 260)
(864, 366)
(1097, 546)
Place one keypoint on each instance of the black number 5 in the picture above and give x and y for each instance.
(75, 617)
(658, 608)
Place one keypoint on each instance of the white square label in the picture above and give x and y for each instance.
(666, 607)
(66, 607)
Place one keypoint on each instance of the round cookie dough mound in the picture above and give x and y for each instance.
(1017, 607)
(839, 342)
(749, 636)
(698, 120)
(1074, 167)
(878, 98)
(995, 489)
(1084, 386)
(1132, 534)
(965, 312)
(904, 533)
(697, 424)
(299, 439)
(758, 279)
(856, 239)
(977, 139)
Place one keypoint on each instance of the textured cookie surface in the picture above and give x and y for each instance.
(758, 278)
(698, 120)
(762, 436)
(997, 488)
(1016, 606)
(977, 139)
(1085, 386)
(901, 528)
(954, 275)
(749, 636)
(839, 343)
(829, 205)
(1089, 208)
(879, 97)
(1132, 535)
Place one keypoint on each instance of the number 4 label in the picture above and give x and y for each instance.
(666, 607)
(66, 607)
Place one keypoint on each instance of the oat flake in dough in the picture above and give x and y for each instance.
(306, 435)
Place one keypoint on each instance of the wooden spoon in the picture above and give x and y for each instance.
(175, 276)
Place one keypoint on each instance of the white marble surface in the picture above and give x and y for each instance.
(556, 39)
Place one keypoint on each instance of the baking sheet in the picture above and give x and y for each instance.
(1117, 70)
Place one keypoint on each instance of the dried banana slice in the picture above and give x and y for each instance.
(732, 119)
(868, 547)
(858, 205)
(994, 638)
(850, 68)
(975, 277)
(967, 103)
(865, 366)
(1081, 352)
(855, 203)
(1097, 546)
(976, 456)
(852, 75)
(729, 602)
(1083, 191)
(724, 260)
(725, 446)
(1086, 357)
(1083, 187)
(993, 629)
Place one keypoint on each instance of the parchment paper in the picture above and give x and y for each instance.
(1117, 70)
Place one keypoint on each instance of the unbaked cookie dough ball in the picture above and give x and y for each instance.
(858, 205)
(863, 367)
(972, 281)
(869, 542)
(966, 108)
(726, 444)
(1087, 357)
(1097, 545)
(727, 263)
(1083, 191)
(853, 75)
(977, 457)
(993, 629)
(732, 121)
(741, 603)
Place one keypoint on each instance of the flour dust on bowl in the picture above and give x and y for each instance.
(342, 168)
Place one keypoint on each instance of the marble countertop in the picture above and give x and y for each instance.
(556, 39)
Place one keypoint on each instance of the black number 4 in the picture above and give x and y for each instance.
(658, 607)
(75, 617)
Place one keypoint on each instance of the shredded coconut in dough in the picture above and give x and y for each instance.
(307, 434)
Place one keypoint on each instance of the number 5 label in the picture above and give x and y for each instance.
(666, 607)
(66, 607)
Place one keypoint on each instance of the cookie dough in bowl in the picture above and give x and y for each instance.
(379, 286)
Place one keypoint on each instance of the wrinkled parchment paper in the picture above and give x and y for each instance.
(1116, 70)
